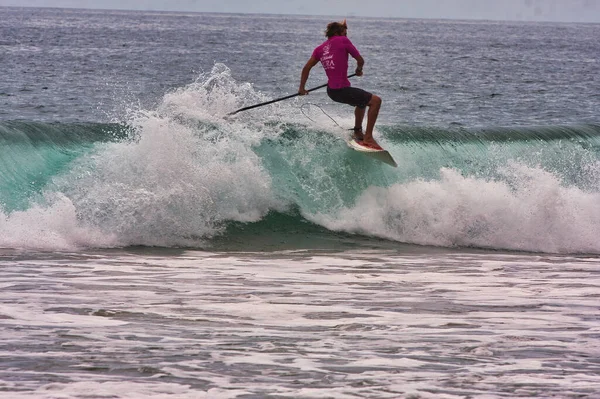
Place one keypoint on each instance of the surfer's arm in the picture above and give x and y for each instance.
(304, 76)
(359, 65)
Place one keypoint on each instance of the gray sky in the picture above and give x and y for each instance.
(520, 10)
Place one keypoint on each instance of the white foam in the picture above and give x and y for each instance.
(124, 390)
(381, 324)
(530, 210)
(23, 315)
(49, 227)
(184, 173)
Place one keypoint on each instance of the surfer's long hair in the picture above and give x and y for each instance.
(335, 28)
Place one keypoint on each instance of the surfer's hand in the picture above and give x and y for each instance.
(358, 72)
(302, 91)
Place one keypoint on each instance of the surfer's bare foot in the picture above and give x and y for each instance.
(358, 134)
(371, 143)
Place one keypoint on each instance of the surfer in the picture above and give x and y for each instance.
(333, 54)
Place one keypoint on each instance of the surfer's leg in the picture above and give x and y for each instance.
(360, 100)
(359, 115)
(372, 114)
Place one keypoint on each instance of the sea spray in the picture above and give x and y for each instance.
(173, 183)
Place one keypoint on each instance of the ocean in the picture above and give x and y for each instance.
(154, 247)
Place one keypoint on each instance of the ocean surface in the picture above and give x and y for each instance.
(154, 247)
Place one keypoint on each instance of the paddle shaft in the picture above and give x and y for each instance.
(279, 99)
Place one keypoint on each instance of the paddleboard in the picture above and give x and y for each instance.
(381, 155)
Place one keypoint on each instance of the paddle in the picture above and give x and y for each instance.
(279, 99)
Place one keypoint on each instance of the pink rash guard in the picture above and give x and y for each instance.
(333, 54)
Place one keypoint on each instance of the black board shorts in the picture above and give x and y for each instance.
(350, 95)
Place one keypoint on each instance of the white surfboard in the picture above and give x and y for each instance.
(381, 155)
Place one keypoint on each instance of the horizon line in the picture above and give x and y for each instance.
(350, 15)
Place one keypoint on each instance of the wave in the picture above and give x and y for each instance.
(31, 153)
(184, 175)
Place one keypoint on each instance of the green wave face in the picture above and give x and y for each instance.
(32, 154)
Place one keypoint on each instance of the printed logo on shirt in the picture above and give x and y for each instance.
(327, 58)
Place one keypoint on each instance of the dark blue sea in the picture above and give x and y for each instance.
(151, 246)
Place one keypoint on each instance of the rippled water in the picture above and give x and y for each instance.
(93, 65)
